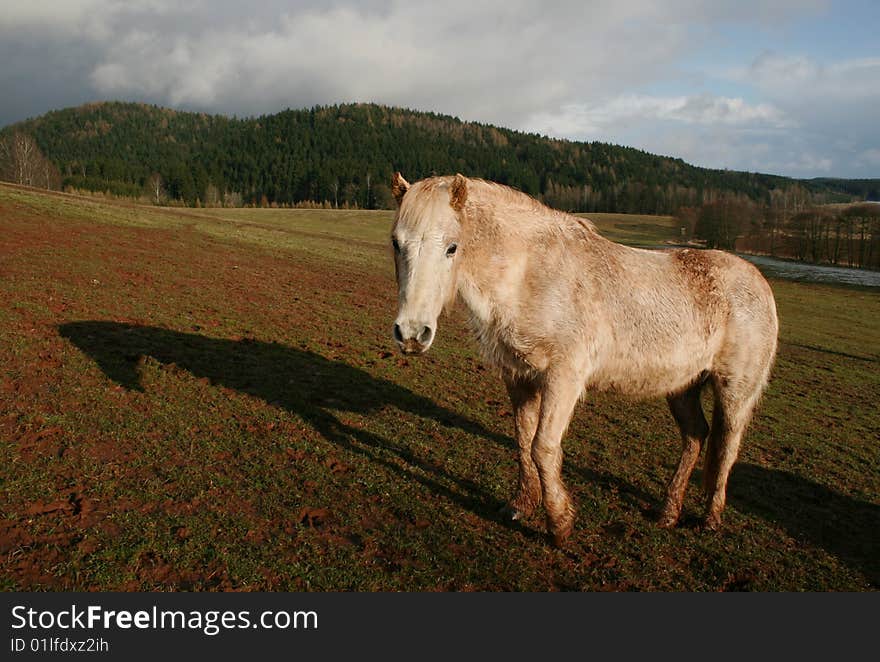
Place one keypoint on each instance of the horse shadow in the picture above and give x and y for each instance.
(843, 526)
(299, 381)
(314, 387)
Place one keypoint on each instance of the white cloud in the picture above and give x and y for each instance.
(584, 120)
(784, 76)
(715, 132)
(833, 102)
(841, 96)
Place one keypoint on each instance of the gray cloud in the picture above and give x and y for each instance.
(573, 69)
(495, 62)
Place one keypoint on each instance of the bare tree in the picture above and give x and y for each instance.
(22, 162)
(156, 187)
(212, 196)
(232, 199)
(26, 151)
(7, 160)
(367, 201)
(50, 175)
(22, 159)
(722, 221)
(862, 223)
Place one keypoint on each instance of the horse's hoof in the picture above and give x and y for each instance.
(667, 520)
(712, 523)
(559, 539)
(512, 513)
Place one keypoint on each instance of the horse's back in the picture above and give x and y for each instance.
(677, 314)
(724, 285)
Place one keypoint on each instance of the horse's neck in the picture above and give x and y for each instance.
(480, 303)
(493, 320)
(493, 301)
(489, 295)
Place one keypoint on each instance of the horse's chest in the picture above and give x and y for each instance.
(507, 349)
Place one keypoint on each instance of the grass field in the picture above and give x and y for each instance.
(210, 400)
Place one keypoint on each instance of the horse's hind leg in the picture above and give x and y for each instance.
(735, 402)
(525, 396)
(688, 413)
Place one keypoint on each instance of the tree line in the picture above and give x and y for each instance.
(790, 226)
(344, 155)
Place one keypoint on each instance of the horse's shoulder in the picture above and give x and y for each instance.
(703, 274)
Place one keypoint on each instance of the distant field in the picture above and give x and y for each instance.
(210, 400)
(638, 229)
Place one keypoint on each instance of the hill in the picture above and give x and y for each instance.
(345, 154)
(865, 189)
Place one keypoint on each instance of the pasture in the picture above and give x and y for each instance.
(211, 400)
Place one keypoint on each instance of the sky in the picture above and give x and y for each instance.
(789, 87)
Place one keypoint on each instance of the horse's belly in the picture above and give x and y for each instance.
(650, 375)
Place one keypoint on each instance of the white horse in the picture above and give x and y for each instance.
(558, 309)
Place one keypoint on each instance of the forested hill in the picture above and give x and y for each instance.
(346, 154)
(865, 189)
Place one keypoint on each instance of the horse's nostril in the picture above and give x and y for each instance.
(425, 335)
(398, 336)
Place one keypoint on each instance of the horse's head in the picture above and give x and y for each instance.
(425, 240)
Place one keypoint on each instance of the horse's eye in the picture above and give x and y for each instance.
(451, 250)
(396, 245)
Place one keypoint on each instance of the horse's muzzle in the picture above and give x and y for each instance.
(412, 346)
(413, 343)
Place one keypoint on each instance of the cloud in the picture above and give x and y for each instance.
(715, 132)
(491, 61)
(870, 157)
(814, 118)
(786, 75)
(579, 70)
(719, 132)
(833, 103)
(85, 19)
(583, 120)
(487, 61)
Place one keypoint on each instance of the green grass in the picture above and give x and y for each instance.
(209, 400)
(638, 229)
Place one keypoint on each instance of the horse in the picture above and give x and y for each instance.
(558, 310)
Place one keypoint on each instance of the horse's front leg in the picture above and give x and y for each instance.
(525, 396)
(558, 398)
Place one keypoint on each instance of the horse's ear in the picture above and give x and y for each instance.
(458, 192)
(399, 186)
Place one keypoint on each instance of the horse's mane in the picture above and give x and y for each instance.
(492, 195)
